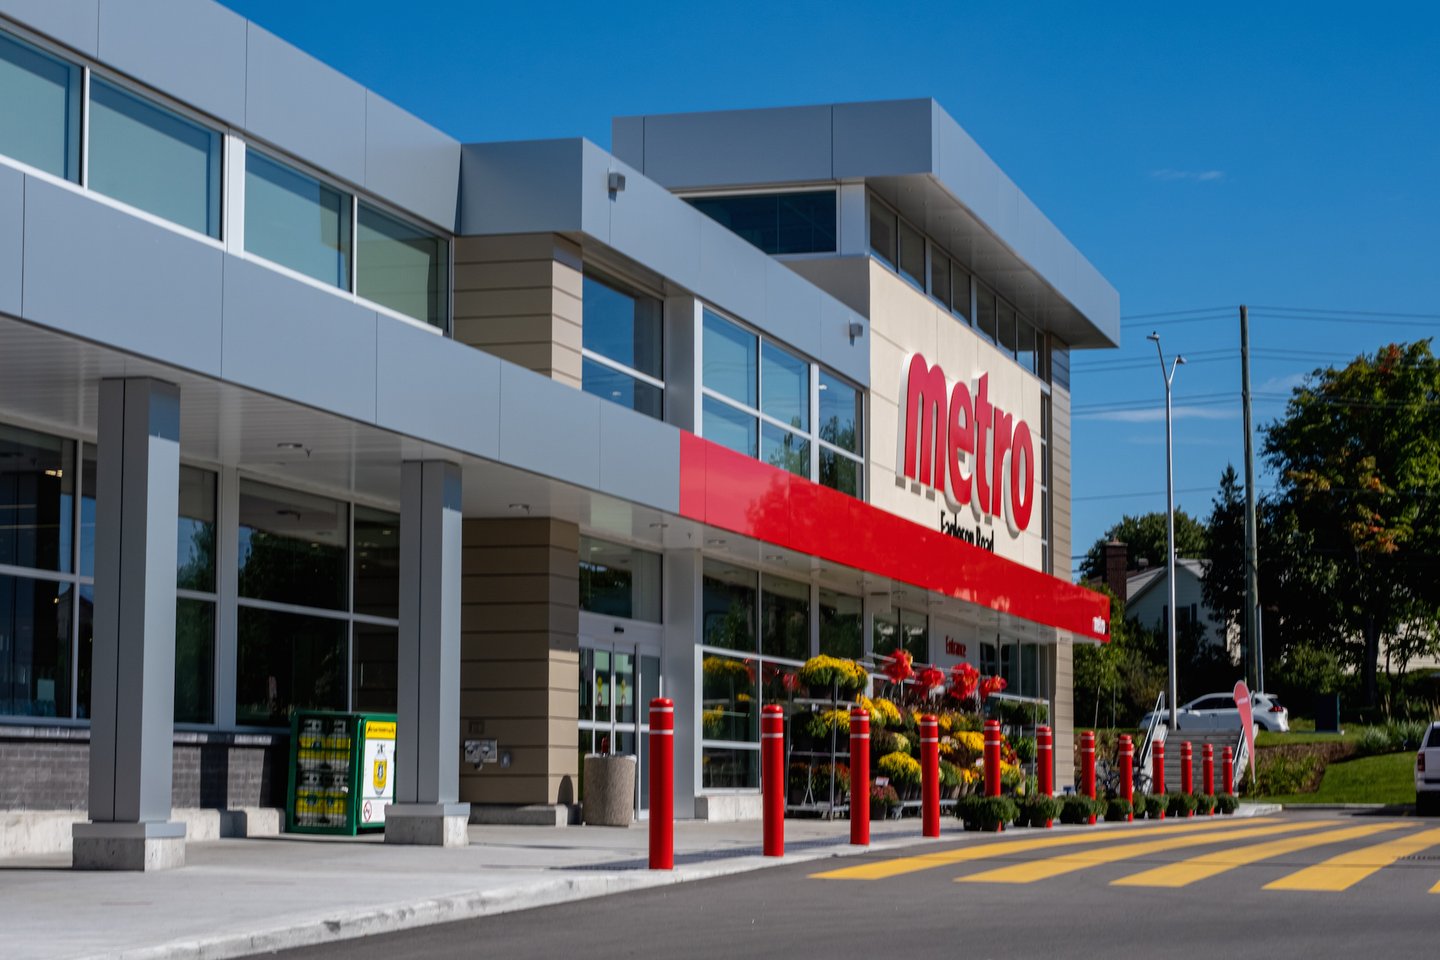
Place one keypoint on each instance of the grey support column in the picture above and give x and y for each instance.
(133, 677)
(427, 749)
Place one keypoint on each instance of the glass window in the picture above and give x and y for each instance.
(1060, 365)
(841, 413)
(882, 232)
(785, 449)
(1006, 331)
(287, 662)
(940, 278)
(194, 661)
(195, 532)
(401, 267)
(729, 606)
(600, 380)
(841, 625)
(914, 627)
(623, 327)
(785, 619)
(373, 674)
(37, 483)
(87, 510)
(1025, 349)
(151, 158)
(777, 223)
(728, 768)
(912, 255)
(985, 312)
(377, 562)
(729, 707)
(34, 647)
(886, 632)
(40, 124)
(292, 547)
(785, 387)
(296, 221)
(619, 581)
(839, 472)
(960, 286)
(730, 360)
(731, 428)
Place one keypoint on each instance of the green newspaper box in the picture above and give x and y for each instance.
(342, 772)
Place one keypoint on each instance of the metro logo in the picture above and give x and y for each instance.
(966, 447)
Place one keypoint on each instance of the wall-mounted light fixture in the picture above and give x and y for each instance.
(616, 182)
(857, 330)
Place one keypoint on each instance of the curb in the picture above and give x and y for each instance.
(1396, 808)
(408, 915)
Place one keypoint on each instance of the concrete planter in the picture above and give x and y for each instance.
(609, 791)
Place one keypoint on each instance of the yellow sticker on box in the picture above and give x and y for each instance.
(379, 730)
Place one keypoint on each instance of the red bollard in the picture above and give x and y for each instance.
(772, 777)
(1227, 771)
(929, 776)
(992, 758)
(1207, 765)
(662, 784)
(1187, 768)
(1127, 772)
(1087, 766)
(1045, 764)
(860, 776)
(1158, 775)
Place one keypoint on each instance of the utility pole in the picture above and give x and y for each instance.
(1169, 378)
(1254, 650)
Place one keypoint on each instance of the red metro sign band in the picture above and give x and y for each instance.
(965, 447)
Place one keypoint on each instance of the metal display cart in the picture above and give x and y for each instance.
(342, 772)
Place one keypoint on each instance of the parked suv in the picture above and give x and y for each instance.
(1217, 711)
(1427, 774)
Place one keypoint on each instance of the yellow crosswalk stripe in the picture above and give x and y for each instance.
(1033, 870)
(884, 869)
(1347, 869)
(1186, 872)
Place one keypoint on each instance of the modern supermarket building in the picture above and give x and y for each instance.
(305, 404)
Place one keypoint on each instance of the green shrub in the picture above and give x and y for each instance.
(1181, 805)
(1077, 809)
(986, 813)
(1228, 803)
(1204, 803)
(1025, 749)
(1118, 810)
(1406, 734)
(1280, 774)
(1372, 740)
(1154, 805)
(1036, 811)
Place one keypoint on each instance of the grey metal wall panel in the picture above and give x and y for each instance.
(303, 106)
(12, 238)
(75, 23)
(529, 187)
(436, 389)
(792, 307)
(193, 51)
(886, 138)
(627, 141)
(549, 428)
(737, 146)
(639, 458)
(728, 266)
(596, 202)
(650, 225)
(410, 163)
(145, 289)
(837, 351)
(297, 342)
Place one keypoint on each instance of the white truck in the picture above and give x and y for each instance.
(1427, 774)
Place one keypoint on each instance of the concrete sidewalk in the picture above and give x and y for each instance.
(241, 897)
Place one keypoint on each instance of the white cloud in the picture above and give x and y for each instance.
(1157, 414)
(1282, 384)
(1199, 176)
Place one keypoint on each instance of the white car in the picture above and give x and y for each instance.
(1427, 774)
(1217, 711)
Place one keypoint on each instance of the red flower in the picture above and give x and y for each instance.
(931, 679)
(963, 678)
(898, 668)
(790, 680)
(991, 685)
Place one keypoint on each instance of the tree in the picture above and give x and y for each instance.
(1225, 540)
(1358, 457)
(1145, 537)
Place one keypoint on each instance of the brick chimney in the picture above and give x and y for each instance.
(1117, 559)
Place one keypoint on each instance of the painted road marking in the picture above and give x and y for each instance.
(1207, 865)
(884, 869)
(1034, 870)
(1347, 869)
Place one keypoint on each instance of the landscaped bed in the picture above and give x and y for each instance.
(1388, 778)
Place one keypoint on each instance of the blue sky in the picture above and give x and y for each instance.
(1277, 154)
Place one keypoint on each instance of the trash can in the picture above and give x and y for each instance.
(609, 799)
(1327, 713)
(342, 772)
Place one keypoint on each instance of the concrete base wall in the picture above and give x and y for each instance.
(728, 808)
(26, 833)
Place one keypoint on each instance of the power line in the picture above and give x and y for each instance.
(1177, 313)
(1355, 313)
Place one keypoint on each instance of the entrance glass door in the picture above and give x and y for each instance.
(617, 683)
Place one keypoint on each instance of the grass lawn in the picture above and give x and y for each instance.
(1267, 739)
(1387, 778)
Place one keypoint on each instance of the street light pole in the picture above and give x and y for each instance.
(1169, 377)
